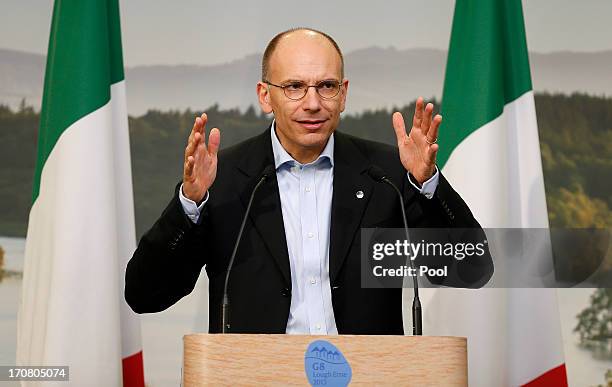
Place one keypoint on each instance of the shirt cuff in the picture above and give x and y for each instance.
(191, 209)
(429, 187)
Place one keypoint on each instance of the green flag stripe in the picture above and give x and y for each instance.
(487, 67)
(116, 51)
(84, 57)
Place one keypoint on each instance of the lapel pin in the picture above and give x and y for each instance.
(359, 194)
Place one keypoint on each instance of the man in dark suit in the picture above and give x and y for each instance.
(297, 269)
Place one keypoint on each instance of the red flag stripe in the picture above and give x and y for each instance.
(556, 377)
(133, 371)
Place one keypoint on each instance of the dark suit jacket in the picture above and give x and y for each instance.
(170, 256)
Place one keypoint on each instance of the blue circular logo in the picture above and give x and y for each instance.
(325, 365)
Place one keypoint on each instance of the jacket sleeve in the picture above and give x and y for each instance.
(167, 261)
(447, 211)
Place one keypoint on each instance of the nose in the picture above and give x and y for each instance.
(311, 101)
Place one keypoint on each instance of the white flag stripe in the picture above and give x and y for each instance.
(125, 229)
(73, 251)
(513, 335)
(503, 150)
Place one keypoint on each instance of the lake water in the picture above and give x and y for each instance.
(162, 333)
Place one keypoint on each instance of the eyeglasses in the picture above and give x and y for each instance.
(296, 90)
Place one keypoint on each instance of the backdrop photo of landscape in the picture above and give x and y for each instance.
(575, 141)
(177, 66)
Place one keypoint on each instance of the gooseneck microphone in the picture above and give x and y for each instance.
(379, 175)
(225, 306)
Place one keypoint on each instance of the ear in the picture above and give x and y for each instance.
(263, 94)
(343, 92)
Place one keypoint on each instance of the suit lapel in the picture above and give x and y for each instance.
(266, 213)
(348, 203)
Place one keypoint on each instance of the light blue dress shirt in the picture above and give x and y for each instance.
(306, 194)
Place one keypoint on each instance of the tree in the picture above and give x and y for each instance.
(595, 321)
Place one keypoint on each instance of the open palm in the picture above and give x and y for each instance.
(200, 164)
(418, 149)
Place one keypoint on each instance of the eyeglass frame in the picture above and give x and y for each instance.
(340, 84)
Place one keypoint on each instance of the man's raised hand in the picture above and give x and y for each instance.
(200, 165)
(418, 148)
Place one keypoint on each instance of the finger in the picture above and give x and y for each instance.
(193, 143)
(199, 123)
(200, 150)
(193, 130)
(427, 118)
(432, 134)
(400, 127)
(202, 130)
(197, 127)
(418, 113)
(431, 154)
(203, 119)
(189, 163)
(214, 139)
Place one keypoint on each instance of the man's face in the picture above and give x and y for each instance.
(303, 126)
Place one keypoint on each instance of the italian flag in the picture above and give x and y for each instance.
(81, 226)
(489, 150)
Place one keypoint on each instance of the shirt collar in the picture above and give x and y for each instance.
(281, 156)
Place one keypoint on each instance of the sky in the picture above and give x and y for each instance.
(210, 32)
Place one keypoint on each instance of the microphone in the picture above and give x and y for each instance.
(225, 306)
(379, 175)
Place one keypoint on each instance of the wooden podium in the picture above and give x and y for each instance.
(268, 360)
